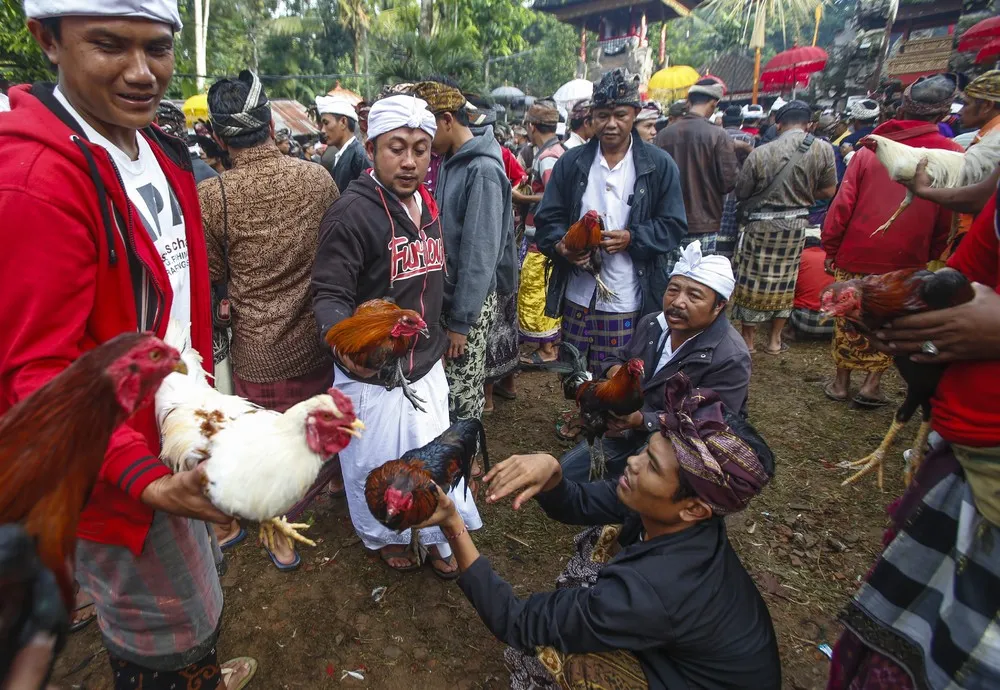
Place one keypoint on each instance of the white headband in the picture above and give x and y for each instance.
(394, 112)
(164, 11)
(334, 105)
(713, 270)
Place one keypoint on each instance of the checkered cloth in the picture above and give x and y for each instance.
(811, 323)
(597, 334)
(930, 603)
(766, 269)
(280, 395)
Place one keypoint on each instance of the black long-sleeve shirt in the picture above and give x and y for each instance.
(683, 603)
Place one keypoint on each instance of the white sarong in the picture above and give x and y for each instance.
(392, 427)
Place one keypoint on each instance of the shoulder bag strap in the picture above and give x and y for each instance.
(754, 202)
(225, 239)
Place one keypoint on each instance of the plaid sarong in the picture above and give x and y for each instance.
(596, 334)
(160, 610)
(811, 323)
(767, 267)
(929, 605)
(851, 349)
(280, 395)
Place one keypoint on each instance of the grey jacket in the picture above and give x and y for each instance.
(474, 199)
(716, 358)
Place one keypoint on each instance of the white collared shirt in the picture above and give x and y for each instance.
(609, 191)
(668, 352)
(573, 140)
(340, 151)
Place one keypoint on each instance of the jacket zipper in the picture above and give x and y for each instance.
(147, 274)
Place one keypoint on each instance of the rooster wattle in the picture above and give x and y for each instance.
(258, 463)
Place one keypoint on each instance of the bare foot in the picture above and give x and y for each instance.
(224, 533)
(398, 557)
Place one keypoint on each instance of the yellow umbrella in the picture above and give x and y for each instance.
(195, 108)
(672, 83)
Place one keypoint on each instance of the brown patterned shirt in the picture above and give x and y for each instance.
(274, 205)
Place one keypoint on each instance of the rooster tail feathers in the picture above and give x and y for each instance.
(572, 367)
(178, 335)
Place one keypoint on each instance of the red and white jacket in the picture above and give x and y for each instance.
(78, 268)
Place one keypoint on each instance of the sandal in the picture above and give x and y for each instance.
(782, 350)
(568, 428)
(828, 392)
(433, 557)
(83, 622)
(227, 669)
(869, 403)
(234, 540)
(536, 361)
(503, 393)
(401, 551)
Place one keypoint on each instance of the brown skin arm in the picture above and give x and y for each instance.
(969, 199)
(827, 192)
(525, 198)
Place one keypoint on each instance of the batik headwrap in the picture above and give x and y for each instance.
(171, 119)
(985, 87)
(929, 96)
(725, 468)
(253, 116)
(543, 112)
(864, 110)
(616, 88)
(440, 98)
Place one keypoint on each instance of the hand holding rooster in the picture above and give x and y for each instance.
(970, 331)
(614, 241)
(183, 493)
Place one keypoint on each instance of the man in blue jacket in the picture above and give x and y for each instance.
(636, 189)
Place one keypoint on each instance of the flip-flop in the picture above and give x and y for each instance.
(84, 622)
(398, 551)
(230, 543)
(504, 393)
(285, 567)
(251, 662)
(782, 350)
(535, 361)
(441, 575)
(561, 430)
(869, 403)
(828, 392)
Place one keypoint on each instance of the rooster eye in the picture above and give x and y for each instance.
(155, 355)
(327, 417)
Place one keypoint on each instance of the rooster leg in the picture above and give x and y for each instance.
(902, 207)
(604, 293)
(408, 393)
(416, 547)
(919, 448)
(874, 461)
(598, 461)
(289, 529)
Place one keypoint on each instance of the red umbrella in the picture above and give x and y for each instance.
(793, 66)
(979, 34)
(990, 50)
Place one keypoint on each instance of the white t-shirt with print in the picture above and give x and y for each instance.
(158, 207)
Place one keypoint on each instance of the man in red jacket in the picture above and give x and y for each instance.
(867, 197)
(102, 235)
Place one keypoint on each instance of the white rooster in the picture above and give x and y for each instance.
(947, 169)
(258, 462)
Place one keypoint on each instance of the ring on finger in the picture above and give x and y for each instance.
(929, 348)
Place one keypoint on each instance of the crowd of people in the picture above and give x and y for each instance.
(710, 217)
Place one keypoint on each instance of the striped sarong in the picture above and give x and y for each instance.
(280, 395)
(767, 266)
(160, 610)
(596, 334)
(851, 349)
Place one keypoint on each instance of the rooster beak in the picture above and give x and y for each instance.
(426, 332)
(181, 367)
(357, 426)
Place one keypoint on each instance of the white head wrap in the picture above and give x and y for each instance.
(713, 270)
(753, 112)
(778, 104)
(393, 112)
(164, 11)
(4, 103)
(334, 105)
(865, 109)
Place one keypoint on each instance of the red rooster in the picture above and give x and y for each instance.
(52, 443)
(620, 396)
(401, 492)
(585, 235)
(867, 304)
(377, 336)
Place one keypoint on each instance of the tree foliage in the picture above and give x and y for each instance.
(21, 60)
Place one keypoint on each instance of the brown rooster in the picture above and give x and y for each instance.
(585, 235)
(867, 304)
(52, 443)
(620, 395)
(401, 493)
(377, 336)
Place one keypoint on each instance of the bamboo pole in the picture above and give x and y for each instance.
(756, 75)
(819, 15)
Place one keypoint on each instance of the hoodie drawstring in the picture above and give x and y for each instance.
(102, 199)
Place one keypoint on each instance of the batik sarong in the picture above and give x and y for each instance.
(467, 374)
(501, 344)
(851, 348)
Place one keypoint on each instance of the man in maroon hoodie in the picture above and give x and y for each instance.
(867, 197)
(102, 235)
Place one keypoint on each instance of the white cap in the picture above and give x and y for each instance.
(713, 270)
(164, 11)
(753, 112)
(334, 105)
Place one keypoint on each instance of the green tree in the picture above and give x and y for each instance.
(21, 60)
(550, 64)
(411, 57)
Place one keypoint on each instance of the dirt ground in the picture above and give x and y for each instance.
(806, 540)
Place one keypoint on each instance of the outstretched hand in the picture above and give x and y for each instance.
(527, 474)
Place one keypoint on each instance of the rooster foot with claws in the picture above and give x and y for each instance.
(289, 529)
(872, 463)
(408, 393)
(418, 549)
(604, 293)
